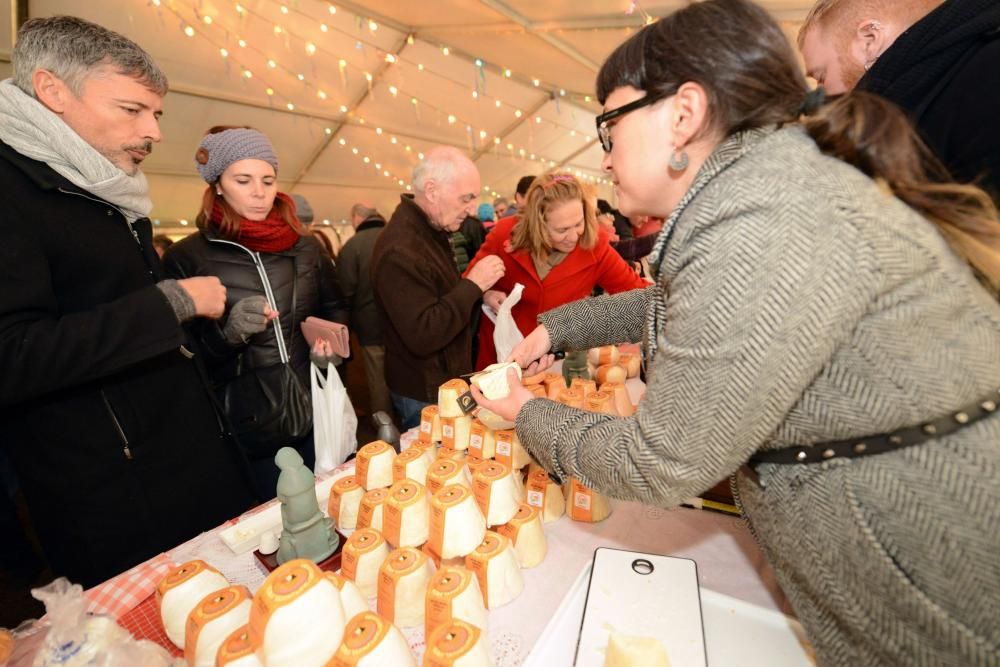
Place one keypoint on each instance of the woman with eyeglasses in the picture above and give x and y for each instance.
(816, 328)
(556, 249)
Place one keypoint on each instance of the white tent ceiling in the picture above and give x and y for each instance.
(352, 92)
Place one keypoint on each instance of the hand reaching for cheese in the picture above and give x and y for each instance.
(532, 353)
(509, 406)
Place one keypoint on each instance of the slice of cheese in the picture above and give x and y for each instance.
(632, 363)
(571, 397)
(525, 532)
(181, 590)
(586, 505)
(545, 495)
(406, 514)
(344, 502)
(217, 616)
(496, 492)
(445, 472)
(627, 651)
(602, 402)
(454, 594)
(372, 641)
(402, 586)
(457, 525)
(482, 444)
(448, 394)
(237, 651)
(492, 380)
(623, 403)
(371, 511)
(495, 565)
(610, 373)
(606, 354)
(430, 425)
(363, 555)
(457, 644)
(412, 464)
(586, 386)
(373, 465)
(509, 450)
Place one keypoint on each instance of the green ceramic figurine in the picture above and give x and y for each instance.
(575, 366)
(306, 533)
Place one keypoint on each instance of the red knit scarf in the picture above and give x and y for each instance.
(272, 234)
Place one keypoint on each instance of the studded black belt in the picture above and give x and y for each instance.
(879, 444)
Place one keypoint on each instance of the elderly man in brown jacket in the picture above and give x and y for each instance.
(425, 305)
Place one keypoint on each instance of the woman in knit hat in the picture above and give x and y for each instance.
(276, 275)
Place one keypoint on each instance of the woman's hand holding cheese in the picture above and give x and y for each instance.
(509, 406)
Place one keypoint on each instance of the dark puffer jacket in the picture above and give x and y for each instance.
(303, 282)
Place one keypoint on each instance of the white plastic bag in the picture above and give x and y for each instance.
(506, 334)
(335, 426)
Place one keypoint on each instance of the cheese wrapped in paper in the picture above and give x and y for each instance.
(448, 393)
(455, 432)
(495, 565)
(454, 594)
(430, 425)
(445, 472)
(217, 616)
(363, 555)
(413, 464)
(181, 590)
(406, 515)
(372, 641)
(457, 525)
(402, 586)
(373, 465)
(525, 532)
(344, 502)
(586, 505)
(371, 511)
(492, 380)
(457, 644)
(545, 495)
(496, 492)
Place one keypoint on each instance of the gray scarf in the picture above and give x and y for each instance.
(28, 127)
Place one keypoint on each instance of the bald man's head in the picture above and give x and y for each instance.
(446, 186)
(841, 39)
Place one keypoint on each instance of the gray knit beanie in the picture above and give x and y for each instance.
(218, 151)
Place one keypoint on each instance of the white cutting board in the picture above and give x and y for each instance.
(643, 595)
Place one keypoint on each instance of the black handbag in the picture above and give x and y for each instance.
(269, 407)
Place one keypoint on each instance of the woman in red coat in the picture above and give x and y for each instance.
(555, 249)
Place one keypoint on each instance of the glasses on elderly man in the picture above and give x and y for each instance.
(604, 121)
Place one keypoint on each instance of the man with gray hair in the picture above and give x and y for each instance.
(112, 430)
(425, 306)
(354, 275)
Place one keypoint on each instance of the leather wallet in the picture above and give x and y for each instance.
(314, 328)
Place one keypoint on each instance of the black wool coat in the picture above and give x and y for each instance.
(106, 415)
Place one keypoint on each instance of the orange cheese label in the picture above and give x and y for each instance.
(179, 575)
(401, 463)
(505, 447)
(210, 608)
(441, 502)
(398, 564)
(477, 436)
(234, 647)
(427, 417)
(362, 635)
(441, 473)
(449, 642)
(525, 514)
(360, 542)
(446, 585)
(337, 492)
(284, 585)
(402, 495)
(478, 561)
(538, 486)
(581, 499)
(448, 432)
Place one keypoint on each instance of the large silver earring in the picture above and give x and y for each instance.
(678, 160)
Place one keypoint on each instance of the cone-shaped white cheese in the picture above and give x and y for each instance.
(457, 644)
(402, 586)
(610, 373)
(492, 380)
(373, 465)
(363, 555)
(495, 565)
(181, 590)
(412, 464)
(601, 401)
(448, 394)
(623, 403)
(372, 641)
(546, 495)
(606, 354)
(509, 450)
(217, 616)
(455, 432)
(482, 444)
(406, 515)
(586, 505)
(430, 425)
(297, 618)
(526, 534)
(632, 364)
(588, 387)
(626, 651)
(454, 594)
(457, 524)
(344, 503)
(371, 511)
(496, 492)
(554, 383)
(571, 397)
(445, 472)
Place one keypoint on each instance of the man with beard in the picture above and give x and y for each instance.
(113, 433)
(937, 60)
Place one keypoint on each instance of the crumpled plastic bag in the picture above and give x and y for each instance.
(506, 335)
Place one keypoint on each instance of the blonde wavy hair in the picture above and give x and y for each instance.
(550, 189)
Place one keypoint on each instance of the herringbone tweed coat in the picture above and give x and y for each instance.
(797, 303)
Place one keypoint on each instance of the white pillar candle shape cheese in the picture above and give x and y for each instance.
(454, 594)
(372, 641)
(344, 502)
(492, 380)
(181, 590)
(413, 464)
(297, 618)
(623, 402)
(554, 383)
(586, 386)
(526, 534)
(495, 565)
(606, 354)
(455, 432)
(585, 504)
(406, 515)
(610, 373)
(402, 586)
(571, 397)
(546, 495)
(457, 525)
(457, 644)
(448, 394)
(350, 595)
(210, 623)
(363, 555)
(496, 492)
(627, 651)
(602, 402)
(632, 363)
(445, 472)
(482, 444)
(430, 425)
(237, 651)
(373, 465)
(371, 511)
(509, 450)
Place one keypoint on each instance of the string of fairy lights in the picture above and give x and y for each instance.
(232, 44)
